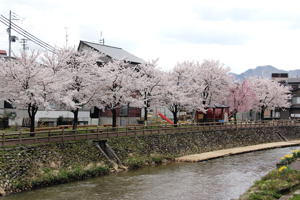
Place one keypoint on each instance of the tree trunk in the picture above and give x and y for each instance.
(146, 114)
(234, 116)
(175, 119)
(114, 117)
(32, 110)
(262, 113)
(147, 105)
(75, 120)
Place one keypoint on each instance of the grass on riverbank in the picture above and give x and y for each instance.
(278, 182)
(295, 197)
(50, 177)
(274, 185)
(135, 162)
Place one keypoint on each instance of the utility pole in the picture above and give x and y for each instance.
(67, 36)
(11, 38)
(9, 35)
(101, 41)
(23, 42)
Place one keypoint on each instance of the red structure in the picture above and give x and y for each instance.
(3, 53)
(165, 118)
(124, 111)
(213, 114)
(127, 112)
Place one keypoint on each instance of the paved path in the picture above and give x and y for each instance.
(233, 151)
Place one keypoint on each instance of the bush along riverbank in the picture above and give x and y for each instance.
(280, 183)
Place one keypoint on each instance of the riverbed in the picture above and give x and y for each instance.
(219, 179)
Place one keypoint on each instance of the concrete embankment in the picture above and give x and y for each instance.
(26, 167)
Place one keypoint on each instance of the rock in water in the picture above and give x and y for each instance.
(2, 192)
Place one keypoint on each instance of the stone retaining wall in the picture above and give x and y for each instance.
(21, 165)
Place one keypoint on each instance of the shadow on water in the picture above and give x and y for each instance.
(219, 179)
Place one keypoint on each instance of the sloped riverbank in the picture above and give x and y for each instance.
(281, 183)
(27, 167)
(218, 179)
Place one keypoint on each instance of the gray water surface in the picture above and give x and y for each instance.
(218, 179)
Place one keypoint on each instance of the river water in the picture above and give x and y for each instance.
(218, 179)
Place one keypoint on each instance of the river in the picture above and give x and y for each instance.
(218, 179)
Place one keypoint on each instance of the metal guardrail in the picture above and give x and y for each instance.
(97, 133)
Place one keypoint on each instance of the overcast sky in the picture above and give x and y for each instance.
(241, 34)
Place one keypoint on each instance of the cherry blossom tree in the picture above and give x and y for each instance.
(241, 98)
(25, 83)
(270, 94)
(175, 93)
(118, 87)
(214, 77)
(77, 76)
(148, 80)
(207, 85)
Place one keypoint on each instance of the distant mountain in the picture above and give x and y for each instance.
(265, 72)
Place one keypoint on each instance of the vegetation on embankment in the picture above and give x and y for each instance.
(274, 185)
(50, 176)
(278, 182)
(138, 161)
(27, 167)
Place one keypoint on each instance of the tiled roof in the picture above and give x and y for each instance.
(114, 52)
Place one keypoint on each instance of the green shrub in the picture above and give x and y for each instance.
(52, 177)
(157, 158)
(295, 197)
(136, 162)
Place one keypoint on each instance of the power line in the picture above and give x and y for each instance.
(26, 34)
(15, 26)
(28, 37)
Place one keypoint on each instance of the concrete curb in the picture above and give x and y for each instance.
(234, 151)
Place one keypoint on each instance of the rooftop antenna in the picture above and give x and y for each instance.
(101, 41)
(67, 36)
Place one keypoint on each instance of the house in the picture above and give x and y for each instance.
(294, 110)
(125, 115)
(294, 84)
(3, 53)
(110, 52)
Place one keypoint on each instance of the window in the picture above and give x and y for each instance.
(296, 100)
(7, 105)
(124, 111)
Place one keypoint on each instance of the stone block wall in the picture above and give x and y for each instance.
(23, 163)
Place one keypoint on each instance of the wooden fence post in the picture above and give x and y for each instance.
(63, 134)
(3, 138)
(20, 137)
